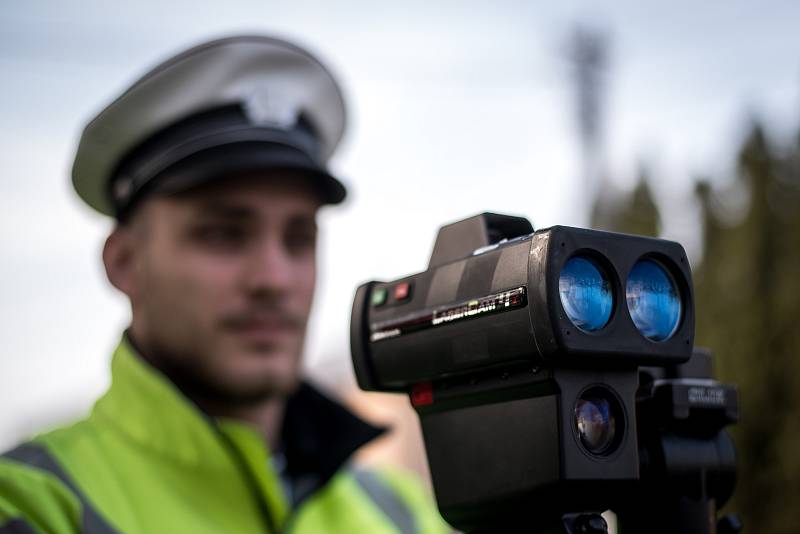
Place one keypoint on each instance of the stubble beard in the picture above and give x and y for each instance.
(192, 371)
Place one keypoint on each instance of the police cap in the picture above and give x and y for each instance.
(224, 108)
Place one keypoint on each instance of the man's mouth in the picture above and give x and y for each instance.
(263, 328)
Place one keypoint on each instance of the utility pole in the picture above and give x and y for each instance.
(588, 54)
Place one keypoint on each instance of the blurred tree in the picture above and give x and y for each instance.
(748, 304)
(637, 213)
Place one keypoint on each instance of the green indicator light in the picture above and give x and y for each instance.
(379, 296)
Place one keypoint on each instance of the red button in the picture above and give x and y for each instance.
(422, 394)
(402, 291)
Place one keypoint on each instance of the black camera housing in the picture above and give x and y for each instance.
(535, 329)
(495, 368)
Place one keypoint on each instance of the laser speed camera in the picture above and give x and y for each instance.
(522, 352)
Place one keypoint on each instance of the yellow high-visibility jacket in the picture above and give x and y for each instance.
(148, 461)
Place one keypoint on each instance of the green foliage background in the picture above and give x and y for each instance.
(747, 288)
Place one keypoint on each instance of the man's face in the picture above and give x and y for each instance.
(221, 284)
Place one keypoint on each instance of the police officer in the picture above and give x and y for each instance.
(213, 165)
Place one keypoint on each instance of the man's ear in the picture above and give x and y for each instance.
(118, 258)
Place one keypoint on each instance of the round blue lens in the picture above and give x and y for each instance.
(653, 300)
(585, 294)
(596, 424)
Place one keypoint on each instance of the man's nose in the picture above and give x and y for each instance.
(269, 268)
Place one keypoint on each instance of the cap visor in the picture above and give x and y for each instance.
(245, 158)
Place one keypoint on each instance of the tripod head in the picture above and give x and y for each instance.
(688, 461)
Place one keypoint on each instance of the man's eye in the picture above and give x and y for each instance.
(220, 235)
(301, 240)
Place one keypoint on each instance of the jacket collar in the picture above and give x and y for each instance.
(319, 434)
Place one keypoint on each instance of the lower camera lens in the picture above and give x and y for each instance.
(598, 421)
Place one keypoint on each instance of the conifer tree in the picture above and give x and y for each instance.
(748, 305)
(636, 213)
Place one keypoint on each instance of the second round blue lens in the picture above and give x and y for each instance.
(585, 294)
(653, 300)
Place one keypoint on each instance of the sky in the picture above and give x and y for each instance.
(455, 108)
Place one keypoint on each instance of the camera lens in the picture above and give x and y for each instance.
(596, 415)
(585, 294)
(653, 300)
